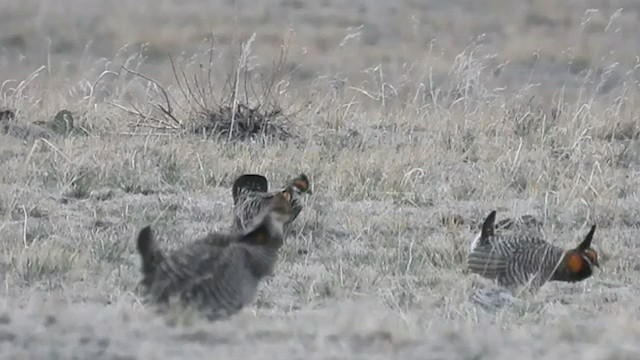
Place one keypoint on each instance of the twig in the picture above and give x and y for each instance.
(234, 102)
(24, 228)
(140, 134)
(204, 179)
(175, 75)
(168, 110)
(54, 148)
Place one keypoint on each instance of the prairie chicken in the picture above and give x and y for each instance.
(521, 259)
(251, 196)
(218, 274)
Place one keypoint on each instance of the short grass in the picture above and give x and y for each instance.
(413, 121)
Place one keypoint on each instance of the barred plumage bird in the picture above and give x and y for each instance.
(218, 274)
(521, 259)
(251, 195)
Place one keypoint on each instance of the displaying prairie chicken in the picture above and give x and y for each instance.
(523, 259)
(250, 196)
(220, 273)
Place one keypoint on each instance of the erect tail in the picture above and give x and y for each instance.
(486, 232)
(249, 182)
(586, 243)
(149, 251)
(488, 225)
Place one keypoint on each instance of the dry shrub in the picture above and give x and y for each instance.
(245, 108)
(247, 123)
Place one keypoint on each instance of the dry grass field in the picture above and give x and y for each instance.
(413, 119)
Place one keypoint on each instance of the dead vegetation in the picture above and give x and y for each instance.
(245, 108)
(410, 134)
